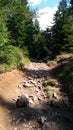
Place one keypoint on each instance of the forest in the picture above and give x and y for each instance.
(22, 39)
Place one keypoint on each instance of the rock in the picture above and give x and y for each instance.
(45, 96)
(20, 86)
(29, 78)
(34, 76)
(41, 120)
(33, 82)
(39, 81)
(40, 98)
(27, 96)
(18, 121)
(22, 101)
(37, 91)
(30, 101)
(25, 84)
(35, 99)
(55, 95)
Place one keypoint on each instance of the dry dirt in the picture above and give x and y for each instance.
(12, 86)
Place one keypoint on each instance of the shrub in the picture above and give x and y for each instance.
(12, 56)
(65, 73)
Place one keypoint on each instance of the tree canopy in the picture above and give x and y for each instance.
(18, 29)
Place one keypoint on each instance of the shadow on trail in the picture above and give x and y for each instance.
(36, 73)
(54, 115)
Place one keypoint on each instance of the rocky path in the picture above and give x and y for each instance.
(25, 105)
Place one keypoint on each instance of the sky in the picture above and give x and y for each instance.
(45, 11)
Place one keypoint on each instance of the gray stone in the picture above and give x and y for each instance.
(22, 101)
(55, 95)
(25, 84)
(45, 96)
(27, 96)
(30, 101)
(33, 82)
(41, 120)
(40, 98)
(35, 99)
(29, 78)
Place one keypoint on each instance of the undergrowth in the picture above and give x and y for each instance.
(65, 73)
(50, 82)
(12, 57)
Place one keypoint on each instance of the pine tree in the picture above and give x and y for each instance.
(59, 41)
(4, 34)
(20, 19)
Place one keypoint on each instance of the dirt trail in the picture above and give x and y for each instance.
(42, 113)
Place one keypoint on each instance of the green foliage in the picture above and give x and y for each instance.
(40, 51)
(68, 31)
(19, 22)
(11, 56)
(48, 39)
(47, 88)
(49, 63)
(57, 29)
(59, 38)
(48, 94)
(65, 73)
(19, 30)
(50, 82)
(4, 35)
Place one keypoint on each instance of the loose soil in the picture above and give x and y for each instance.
(43, 113)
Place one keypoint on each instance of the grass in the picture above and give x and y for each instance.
(47, 88)
(65, 73)
(49, 63)
(48, 94)
(50, 82)
(12, 57)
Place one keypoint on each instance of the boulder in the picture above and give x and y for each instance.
(22, 101)
(28, 85)
(41, 120)
(25, 84)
